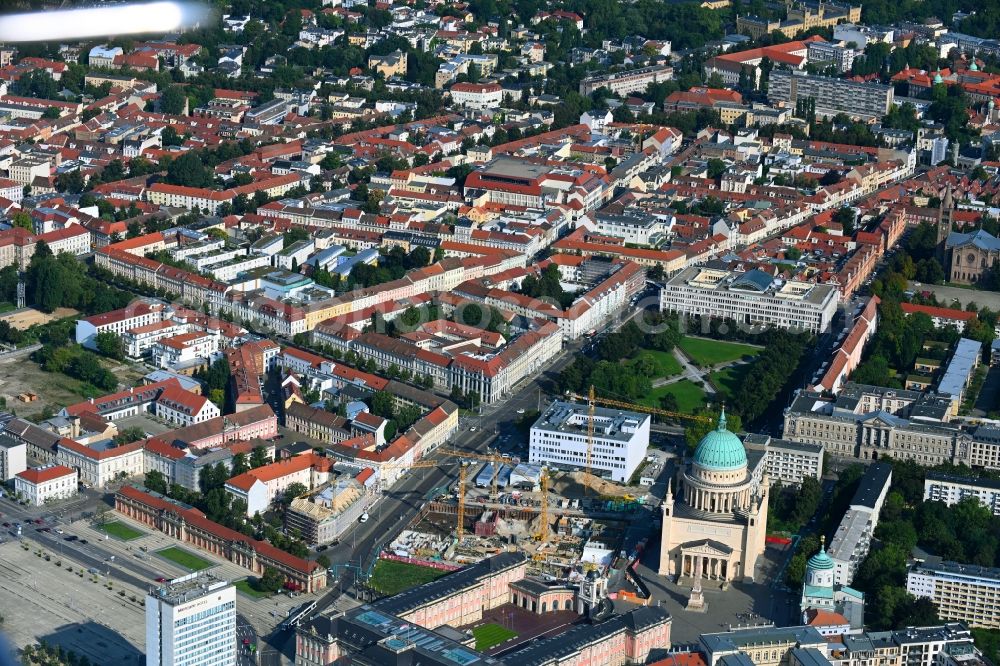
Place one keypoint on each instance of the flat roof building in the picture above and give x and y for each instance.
(752, 299)
(559, 438)
(191, 621)
(950, 489)
(962, 592)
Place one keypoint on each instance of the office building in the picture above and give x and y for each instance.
(753, 298)
(191, 621)
(939, 487)
(962, 592)
(559, 438)
(853, 537)
(867, 101)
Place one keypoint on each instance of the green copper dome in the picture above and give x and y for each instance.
(937, 77)
(973, 67)
(820, 560)
(720, 449)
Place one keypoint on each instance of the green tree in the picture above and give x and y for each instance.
(156, 482)
(23, 220)
(258, 457)
(272, 580)
(173, 100)
(109, 344)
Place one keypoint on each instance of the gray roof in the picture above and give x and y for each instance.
(981, 239)
(872, 483)
(754, 279)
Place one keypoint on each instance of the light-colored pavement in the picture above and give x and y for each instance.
(689, 371)
(946, 294)
(43, 601)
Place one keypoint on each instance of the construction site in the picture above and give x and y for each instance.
(562, 519)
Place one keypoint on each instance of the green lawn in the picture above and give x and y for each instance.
(392, 577)
(6, 307)
(184, 558)
(689, 395)
(489, 635)
(664, 362)
(712, 352)
(120, 530)
(729, 379)
(247, 588)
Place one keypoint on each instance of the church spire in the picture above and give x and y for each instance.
(722, 419)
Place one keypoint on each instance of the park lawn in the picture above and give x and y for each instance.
(712, 352)
(247, 588)
(728, 380)
(489, 635)
(390, 577)
(689, 395)
(184, 558)
(6, 306)
(666, 364)
(120, 530)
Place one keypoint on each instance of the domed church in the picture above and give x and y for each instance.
(717, 523)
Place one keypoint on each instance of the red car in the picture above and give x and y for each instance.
(161, 579)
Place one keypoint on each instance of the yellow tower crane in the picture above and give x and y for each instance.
(543, 528)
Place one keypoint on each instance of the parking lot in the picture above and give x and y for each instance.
(45, 601)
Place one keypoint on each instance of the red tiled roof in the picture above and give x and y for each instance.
(42, 474)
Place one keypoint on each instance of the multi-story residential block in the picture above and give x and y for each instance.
(13, 457)
(185, 351)
(964, 593)
(139, 313)
(940, 316)
(481, 96)
(96, 467)
(940, 487)
(627, 82)
(184, 408)
(191, 621)
(752, 299)
(261, 486)
(39, 485)
(787, 462)
(852, 539)
(868, 101)
(559, 439)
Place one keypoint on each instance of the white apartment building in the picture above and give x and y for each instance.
(295, 254)
(191, 621)
(229, 270)
(559, 439)
(962, 592)
(184, 408)
(852, 541)
(950, 489)
(26, 169)
(753, 298)
(184, 349)
(141, 339)
(13, 457)
(97, 467)
(41, 484)
(138, 314)
(259, 487)
(788, 462)
(480, 96)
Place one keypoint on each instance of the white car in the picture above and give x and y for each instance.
(364, 517)
(58, 531)
(472, 429)
(520, 411)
